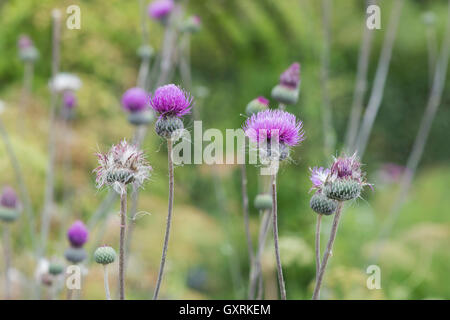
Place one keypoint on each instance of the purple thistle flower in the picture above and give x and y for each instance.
(135, 100)
(69, 99)
(291, 77)
(9, 198)
(160, 9)
(268, 123)
(171, 101)
(24, 42)
(77, 234)
(121, 165)
(346, 167)
(318, 177)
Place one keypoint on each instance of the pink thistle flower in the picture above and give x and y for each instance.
(318, 177)
(77, 234)
(171, 101)
(69, 99)
(160, 9)
(346, 168)
(24, 42)
(291, 77)
(121, 165)
(266, 124)
(135, 100)
(9, 198)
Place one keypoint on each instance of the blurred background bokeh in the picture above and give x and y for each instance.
(238, 55)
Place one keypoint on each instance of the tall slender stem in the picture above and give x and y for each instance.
(327, 252)
(246, 213)
(106, 282)
(380, 79)
(360, 84)
(7, 257)
(275, 238)
(123, 222)
(169, 219)
(319, 220)
(49, 186)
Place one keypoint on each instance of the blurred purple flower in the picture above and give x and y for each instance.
(318, 177)
(135, 100)
(9, 198)
(171, 101)
(160, 9)
(392, 171)
(69, 100)
(291, 77)
(268, 123)
(24, 42)
(78, 234)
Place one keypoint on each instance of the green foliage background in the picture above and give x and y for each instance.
(243, 47)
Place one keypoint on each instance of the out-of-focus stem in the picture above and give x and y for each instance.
(246, 214)
(326, 255)
(106, 282)
(169, 219)
(415, 156)
(275, 238)
(123, 222)
(7, 260)
(380, 79)
(319, 220)
(360, 84)
(327, 115)
(49, 186)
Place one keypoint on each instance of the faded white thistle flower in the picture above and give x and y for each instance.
(121, 165)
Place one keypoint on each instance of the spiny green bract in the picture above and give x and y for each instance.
(55, 268)
(167, 127)
(285, 95)
(323, 205)
(105, 255)
(343, 189)
(75, 255)
(8, 214)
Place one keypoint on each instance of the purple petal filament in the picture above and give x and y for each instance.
(170, 100)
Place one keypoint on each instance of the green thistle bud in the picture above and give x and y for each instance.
(257, 105)
(30, 54)
(75, 255)
(322, 205)
(105, 255)
(263, 202)
(343, 189)
(8, 214)
(169, 128)
(145, 52)
(285, 95)
(55, 268)
(141, 118)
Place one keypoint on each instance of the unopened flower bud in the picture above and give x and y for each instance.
(75, 255)
(322, 205)
(257, 105)
(104, 255)
(55, 268)
(343, 189)
(263, 201)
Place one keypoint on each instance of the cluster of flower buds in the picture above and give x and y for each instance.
(343, 181)
(77, 234)
(288, 89)
(27, 50)
(9, 205)
(135, 102)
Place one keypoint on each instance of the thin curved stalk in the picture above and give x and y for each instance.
(106, 282)
(7, 260)
(380, 80)
(123, 222)
(169, 219)
(327, 253)
(360, 85)
(319, 220)
(275, 238)
(251, 255)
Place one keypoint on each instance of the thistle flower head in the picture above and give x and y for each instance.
(160, 9)
(77, 234)
(24, 42)
(69, 99)
(291, 77)
(318, 177)
(171, 101)
(135, 100)
(9, 198)
(346, 167)
(257, 105)
(121, 165)
(192, 24)
(274, 123)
